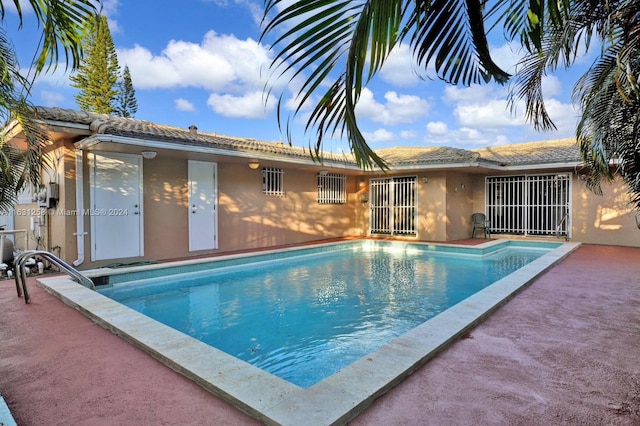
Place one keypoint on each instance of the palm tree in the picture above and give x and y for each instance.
(61, 23)
(343, 44)
(608, 93)
(346, 43)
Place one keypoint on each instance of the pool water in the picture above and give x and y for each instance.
(303, 318)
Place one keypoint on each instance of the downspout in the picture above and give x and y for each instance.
(79, 209)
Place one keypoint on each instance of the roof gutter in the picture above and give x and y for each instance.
(437, 166)
(547, 166)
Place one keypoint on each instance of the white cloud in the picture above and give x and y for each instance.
(397, 109)
(184, 105)
(492, 113)
(399, 68)
(551, 86)
(437, 128)
(109, 7)
(220, 63)
(56, 76)
(465, 137)
(250, 105)
(380, 135)
(408, 134)
(114, 26)
(51, 99)
(472, 134)
(507, 56)
(468, 95)
(564, 116)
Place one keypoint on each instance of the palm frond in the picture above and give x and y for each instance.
(17, 169)
(567, 27)
(344, 44)
(451, 33)
(62, 28)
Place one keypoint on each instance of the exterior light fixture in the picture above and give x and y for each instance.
(253, 165)
(323, 172)
(149, 155)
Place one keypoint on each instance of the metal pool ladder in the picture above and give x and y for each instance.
(21, 273)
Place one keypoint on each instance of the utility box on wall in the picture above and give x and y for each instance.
(48, 195)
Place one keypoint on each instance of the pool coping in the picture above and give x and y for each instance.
(272, 400)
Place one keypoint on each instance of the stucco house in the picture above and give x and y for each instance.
(125, 190)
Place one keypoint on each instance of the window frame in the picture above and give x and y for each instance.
(332, 188)
(273, 182)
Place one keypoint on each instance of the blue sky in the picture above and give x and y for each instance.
(199, 62)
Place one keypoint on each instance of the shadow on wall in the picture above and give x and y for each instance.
(250, 220)
(607, 219)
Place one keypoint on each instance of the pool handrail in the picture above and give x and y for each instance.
(21, 273)
(565, 218)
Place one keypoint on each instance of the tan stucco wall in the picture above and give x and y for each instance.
(607, 219)
(477, 193)
(166, 220)
(247, 218)
(432, 204)
(22, 220)
(54, 226)
(459, 205)
(62, 225)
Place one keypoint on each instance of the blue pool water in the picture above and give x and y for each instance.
(302, 318)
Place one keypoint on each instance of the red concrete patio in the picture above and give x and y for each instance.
(564, 351)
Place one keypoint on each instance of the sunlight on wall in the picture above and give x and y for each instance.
(617, 210)
(173, 194)
(604, 215)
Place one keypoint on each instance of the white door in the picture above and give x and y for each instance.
(393, 204)
(203, 200)
(116, 206)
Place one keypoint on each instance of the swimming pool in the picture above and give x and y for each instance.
(305, 316)
(270, 399)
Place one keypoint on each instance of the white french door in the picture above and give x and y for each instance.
(116, 206)
(393, 204)
(529, 204)
(203, 205)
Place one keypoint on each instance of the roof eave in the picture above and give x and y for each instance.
(431, 166)
(202, 149)
(11, 129)
(543, 166)
(67, 127)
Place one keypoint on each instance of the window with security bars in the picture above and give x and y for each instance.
(272, 182)
(529, 204)
(331, 188)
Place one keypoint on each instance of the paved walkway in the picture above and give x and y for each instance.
(565, 351)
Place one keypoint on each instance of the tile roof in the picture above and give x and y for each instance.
(407, 155)
(547, 152)
(130, 127)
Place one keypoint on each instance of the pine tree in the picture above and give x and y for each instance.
(98, 72)
(126, 103)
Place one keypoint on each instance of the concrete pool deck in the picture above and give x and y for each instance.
(563, 351)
